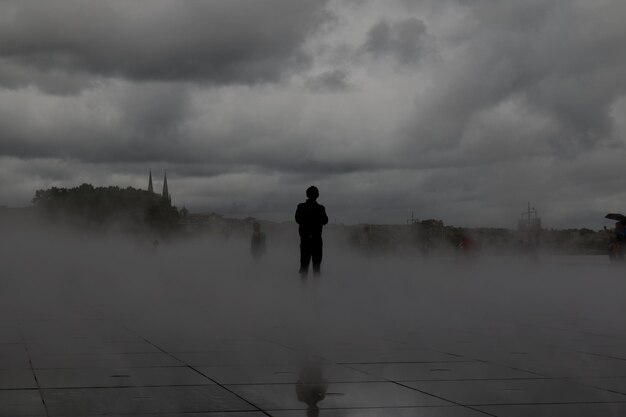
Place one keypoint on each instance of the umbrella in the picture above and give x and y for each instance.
(616, 216)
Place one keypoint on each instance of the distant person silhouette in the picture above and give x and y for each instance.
(257, 242)
(311, 217)
(619, 245)
(620, 231)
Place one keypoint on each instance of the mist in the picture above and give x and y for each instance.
(108, 314)
(203, 289)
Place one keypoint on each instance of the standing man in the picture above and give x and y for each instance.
(311, 217)
(257, 242)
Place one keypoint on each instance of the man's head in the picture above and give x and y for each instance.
(312, 192)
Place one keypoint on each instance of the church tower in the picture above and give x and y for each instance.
(150, 189)
(166, 194)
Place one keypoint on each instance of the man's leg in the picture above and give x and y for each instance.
(305, 256)
(316, 253)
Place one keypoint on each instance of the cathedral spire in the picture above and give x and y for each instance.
(166, 194)
(150, 189)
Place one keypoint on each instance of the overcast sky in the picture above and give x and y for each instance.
(461, 110)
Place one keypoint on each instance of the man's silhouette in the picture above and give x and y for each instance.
(311, 217)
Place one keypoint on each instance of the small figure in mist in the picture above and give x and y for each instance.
(311, 218)
(257, 242)
(620, 231)
(618, 246)
(468, 246)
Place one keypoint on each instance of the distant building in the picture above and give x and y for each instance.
(150, 188)
(165, 194)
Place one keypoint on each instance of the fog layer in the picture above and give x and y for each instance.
(197, 291)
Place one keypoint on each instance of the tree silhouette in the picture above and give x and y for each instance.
(94, 207)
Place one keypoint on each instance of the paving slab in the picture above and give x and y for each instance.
(565, 364)
(14, 356)
(52, 331)
(243, 344)
(617, 384)
(508, 391)
(148, 400)
(125, 360)
(441, 371)
(275, 356)
(608, 351)
(10, 334)
(119, 377)
(88, 346)
(557, 410)
(271, 374)
(17, 379)
(351, 356)
(18, 403)
(209, 414)
(338, 395)
(387, 412)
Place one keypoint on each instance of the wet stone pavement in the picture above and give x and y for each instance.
(99, 359)
(94, 366)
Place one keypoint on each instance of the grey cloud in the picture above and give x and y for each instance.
(155, 111)
(116, 123)
(330, 81)
(561, 62)
(522, 102)
(220, 41)
(49, 81)
(406, 41)
(159, 123)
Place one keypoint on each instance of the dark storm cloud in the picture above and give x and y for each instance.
(405, 41)
(458, 110)
(559, 64)
(217, 41)
(162, 123)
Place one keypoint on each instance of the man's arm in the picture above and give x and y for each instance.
(323, 217)
(299, 214)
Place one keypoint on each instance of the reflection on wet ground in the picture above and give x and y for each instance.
(311, 386)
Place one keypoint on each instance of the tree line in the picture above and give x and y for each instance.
(128, 208)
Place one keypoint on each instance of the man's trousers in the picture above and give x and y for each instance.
(310, 249)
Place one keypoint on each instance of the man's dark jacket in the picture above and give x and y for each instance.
(311, 217)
